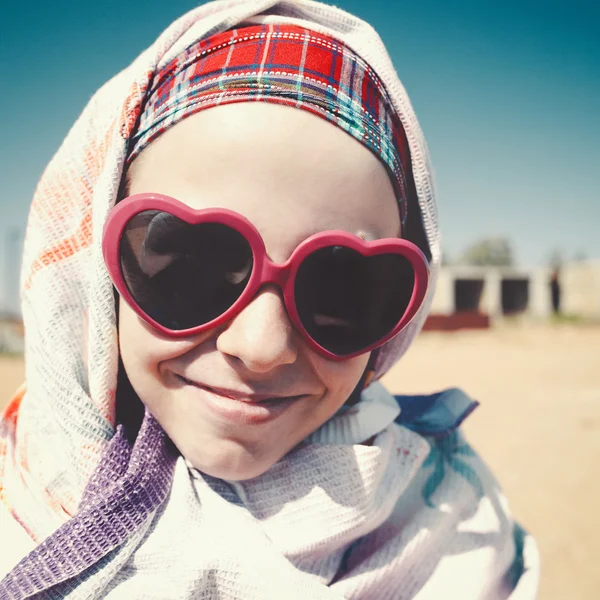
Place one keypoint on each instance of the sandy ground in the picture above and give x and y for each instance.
(538, 428)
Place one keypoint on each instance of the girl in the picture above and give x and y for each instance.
(235, 241)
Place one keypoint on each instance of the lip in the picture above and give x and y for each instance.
(239, 407)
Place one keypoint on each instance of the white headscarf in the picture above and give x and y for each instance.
(67, 297)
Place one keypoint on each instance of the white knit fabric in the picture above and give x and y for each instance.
(331, 520)
(285, 534)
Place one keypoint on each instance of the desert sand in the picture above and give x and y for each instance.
(538, 427)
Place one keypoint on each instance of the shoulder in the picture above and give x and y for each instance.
(455, 482)
(435, 415)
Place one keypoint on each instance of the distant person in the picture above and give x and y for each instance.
(555, 290)
(236, 240)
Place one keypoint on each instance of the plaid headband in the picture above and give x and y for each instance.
(286, 65)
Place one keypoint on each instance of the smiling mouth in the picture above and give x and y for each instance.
(245, 397)
(241, 408)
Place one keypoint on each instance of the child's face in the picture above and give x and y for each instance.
(292, 175)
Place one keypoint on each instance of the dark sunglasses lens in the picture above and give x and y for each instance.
(347, 302)
(183, 275)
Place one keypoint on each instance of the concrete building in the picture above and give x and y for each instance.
(580, 285)
(468, 296)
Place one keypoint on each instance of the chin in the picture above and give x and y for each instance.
(233, 463)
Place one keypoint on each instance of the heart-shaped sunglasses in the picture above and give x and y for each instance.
(184, 271)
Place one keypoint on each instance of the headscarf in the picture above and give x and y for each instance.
(67, 299)
(94, 482)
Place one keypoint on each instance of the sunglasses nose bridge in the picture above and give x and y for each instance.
(273, 273)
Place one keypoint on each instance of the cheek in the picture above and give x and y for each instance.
(340, 378)
(143, 349)
(136, 347)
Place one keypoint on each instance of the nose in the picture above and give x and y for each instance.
(261, 336)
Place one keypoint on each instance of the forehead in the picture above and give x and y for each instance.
(289, 172)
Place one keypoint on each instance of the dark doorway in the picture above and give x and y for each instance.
(515, 296)
(467, 294)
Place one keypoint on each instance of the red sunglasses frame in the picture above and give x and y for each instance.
(264, 270)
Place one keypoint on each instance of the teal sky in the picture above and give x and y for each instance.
(508, 94)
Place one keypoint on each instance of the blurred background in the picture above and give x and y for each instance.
(507, 94)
